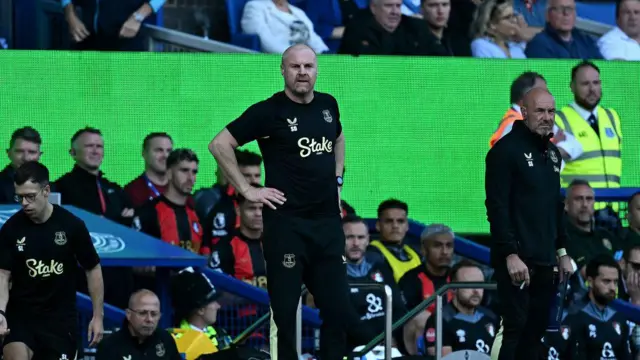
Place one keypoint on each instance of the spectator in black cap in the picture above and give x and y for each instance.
(195, 301)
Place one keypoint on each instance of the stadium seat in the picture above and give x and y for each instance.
(234, 14)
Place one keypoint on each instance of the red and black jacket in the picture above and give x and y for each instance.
(239, 256)
(418, 285)
(175, 224)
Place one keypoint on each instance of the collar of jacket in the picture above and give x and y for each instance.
(541, 142)
(8, 171)
(78, 171)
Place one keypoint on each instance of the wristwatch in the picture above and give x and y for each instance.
(339, 180)
(138, 17)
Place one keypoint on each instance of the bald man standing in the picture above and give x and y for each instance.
(525, 210)
(300, 137)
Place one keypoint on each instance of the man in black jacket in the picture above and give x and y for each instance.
(525, 211)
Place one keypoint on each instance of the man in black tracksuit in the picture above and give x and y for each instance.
(525, 211)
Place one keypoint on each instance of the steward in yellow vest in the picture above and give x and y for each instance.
(600, 163)
(393, 225)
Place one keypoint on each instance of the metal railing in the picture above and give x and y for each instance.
(591, 27)
(421, 307)
(172, 37)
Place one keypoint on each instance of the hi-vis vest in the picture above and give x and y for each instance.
(398, 267)
(600, 163)
(508, 119)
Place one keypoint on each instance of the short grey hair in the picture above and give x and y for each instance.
(435, 229)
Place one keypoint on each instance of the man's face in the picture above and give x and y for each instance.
(539, 112)
(587, 87)
(251, 215)
(629, 17)
(210, 313)
(470, 298)
(156, 154)
(23, 151)
(605, 285)
(182, 176)
(436, 13)
(393, 225)
(144, 314)
(32, 197)
(632, 264)
(88, 151)
(357, 240)
(561, 15)
(300, 70)
(252, 173)
(579, 204)
(633, 213)
(439, 250)
(387, 13)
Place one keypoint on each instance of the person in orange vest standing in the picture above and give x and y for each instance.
(569, 146)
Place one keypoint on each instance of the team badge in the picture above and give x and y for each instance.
(61, 238)
(289, 261)
(565, 332)
(327, 116)
(491, 330)
(377, 277)
(553, 157)
(607, 243)
(160, 350)
(430, 335)
(616, 327)
(196, 228)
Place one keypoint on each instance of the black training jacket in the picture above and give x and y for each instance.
(524, 204)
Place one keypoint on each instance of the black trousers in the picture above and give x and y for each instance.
(525, 313)
(301, 250)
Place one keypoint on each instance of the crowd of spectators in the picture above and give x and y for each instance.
(484, 29)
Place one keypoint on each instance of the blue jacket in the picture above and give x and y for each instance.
(548, 44)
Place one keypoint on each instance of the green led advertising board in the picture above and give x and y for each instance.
(416, 129)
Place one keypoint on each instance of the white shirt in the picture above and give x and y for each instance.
(278, 29)
(584, 113)
(616, 45)
(570, 144)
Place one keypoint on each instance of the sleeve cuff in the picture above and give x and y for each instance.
(65, 3)
(561, 252)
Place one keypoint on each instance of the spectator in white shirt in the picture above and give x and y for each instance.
(493, 29)
(623, 41)
(279, 25)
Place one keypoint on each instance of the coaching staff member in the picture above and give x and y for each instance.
(525, 211)
(40, 249)
(300, 137)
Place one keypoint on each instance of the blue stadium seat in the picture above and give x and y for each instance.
(234, 14)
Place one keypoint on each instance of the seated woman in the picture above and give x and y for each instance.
(493, 29)
(279, 25)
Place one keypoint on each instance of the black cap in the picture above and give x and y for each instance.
(191, 290)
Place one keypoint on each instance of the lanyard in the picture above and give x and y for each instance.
(150, 185)
(103, 203)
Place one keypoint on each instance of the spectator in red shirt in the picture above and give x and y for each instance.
(156, 147)
(239, 254)
(170, 217)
